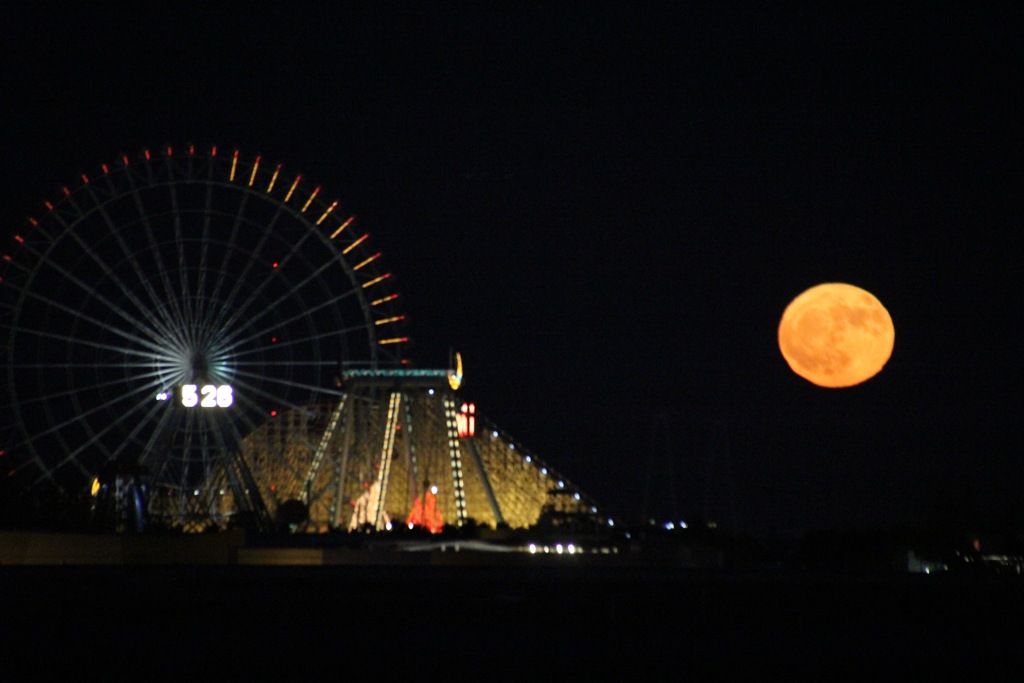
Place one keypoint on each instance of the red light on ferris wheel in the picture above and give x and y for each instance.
(465, 420)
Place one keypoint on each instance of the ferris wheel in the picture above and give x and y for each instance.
(162, 308)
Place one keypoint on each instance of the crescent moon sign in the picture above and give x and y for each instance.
(455, 376)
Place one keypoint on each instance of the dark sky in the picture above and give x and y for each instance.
(606, 209)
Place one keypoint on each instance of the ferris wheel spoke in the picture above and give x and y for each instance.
(290, 364)
(300, 342)
(136, 431)
(149, 352)
(153, 347)
(254, 388)
(236, 223)
(239, 312)
(249, 263)
(59, 425)
(204, 255)
(96, 438)
(89, 290)
(83, 415)
(148, 367)
(166, 327)
(160, 372)
(160, 431)
(233, 341)
(179, 242)
(173, 304)
(162, 305)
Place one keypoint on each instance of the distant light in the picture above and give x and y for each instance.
(430, 391)
(576, 496)
(162, 396)
(561, 484)
(572, 549)
(433, 489)
(196, 492)
(544, 471)
(512, 447)
(527, 459)
(494, 434)
(558, 548)
(682, 525)
(533, 548)
(611, 522)
(388, 526)
(670, 526)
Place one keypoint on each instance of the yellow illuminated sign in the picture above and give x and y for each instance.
(455, 376)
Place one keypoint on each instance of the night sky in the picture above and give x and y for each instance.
(606, 209)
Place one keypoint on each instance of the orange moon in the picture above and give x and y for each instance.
(836, 335)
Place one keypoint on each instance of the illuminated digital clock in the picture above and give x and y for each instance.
(207, 395)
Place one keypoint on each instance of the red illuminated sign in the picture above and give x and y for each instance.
(465, 420)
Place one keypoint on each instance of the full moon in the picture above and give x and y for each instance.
(836, 335)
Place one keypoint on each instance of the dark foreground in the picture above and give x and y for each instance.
(502, 623)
